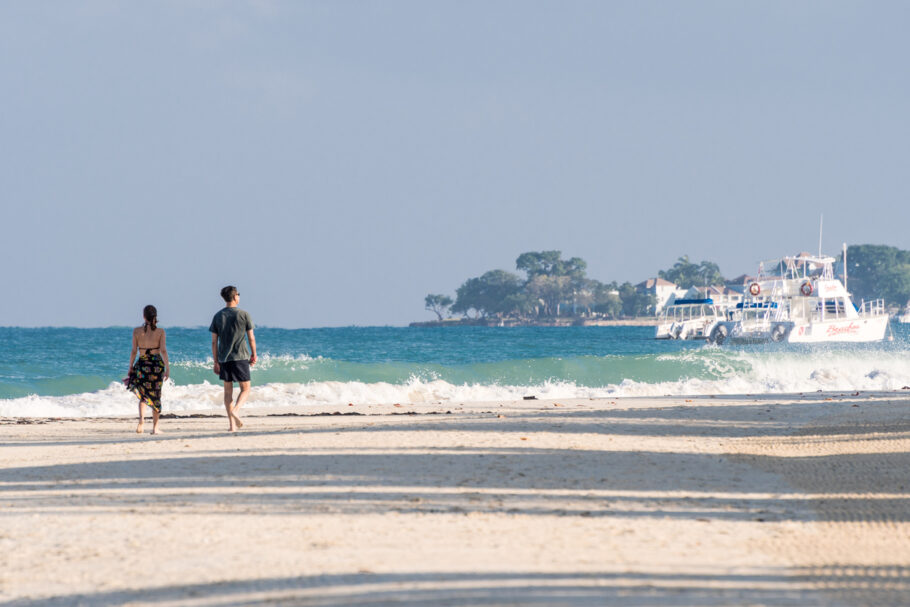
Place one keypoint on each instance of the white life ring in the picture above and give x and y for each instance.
(755, 289)
(806, 288)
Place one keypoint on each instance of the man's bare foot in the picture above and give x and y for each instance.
(139, 428)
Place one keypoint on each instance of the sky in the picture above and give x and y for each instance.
(338, 161)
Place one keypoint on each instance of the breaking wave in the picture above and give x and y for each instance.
(301, 381)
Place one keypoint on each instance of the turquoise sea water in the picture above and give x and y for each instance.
(65, 371)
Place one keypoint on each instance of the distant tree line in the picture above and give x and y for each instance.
(550, 286)
(687, 274)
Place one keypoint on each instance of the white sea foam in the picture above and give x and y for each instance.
(265, 361)
(732, 373)
(115, 400)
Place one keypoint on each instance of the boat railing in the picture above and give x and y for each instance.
(872, 308)
(783, 311)
(783, 304)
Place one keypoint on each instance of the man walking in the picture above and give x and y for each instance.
(231, 328)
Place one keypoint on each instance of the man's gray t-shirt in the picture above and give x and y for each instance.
(231, 325)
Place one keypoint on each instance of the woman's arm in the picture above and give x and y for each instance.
(162, 349)
(133, 351)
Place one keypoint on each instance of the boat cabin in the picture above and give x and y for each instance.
(688, 309)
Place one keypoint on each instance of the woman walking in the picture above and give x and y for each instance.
(151, 369)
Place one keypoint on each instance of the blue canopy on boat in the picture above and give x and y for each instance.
(757, 304)
(680, 302)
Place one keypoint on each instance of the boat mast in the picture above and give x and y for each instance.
(821, 222)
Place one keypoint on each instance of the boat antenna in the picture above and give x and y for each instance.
(821, 223)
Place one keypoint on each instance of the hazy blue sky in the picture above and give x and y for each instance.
(340, 160)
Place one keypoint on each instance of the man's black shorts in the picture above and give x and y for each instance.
(235, 370)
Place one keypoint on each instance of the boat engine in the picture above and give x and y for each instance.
(779, 333)
(718, 335)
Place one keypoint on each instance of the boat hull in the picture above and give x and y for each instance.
(862, 329)
(688, 330)
(857, 330)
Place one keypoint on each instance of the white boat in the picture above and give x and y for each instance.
(688, 319)
(799, 300)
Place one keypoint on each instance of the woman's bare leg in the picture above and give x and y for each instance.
(155, 416)
(141, 416)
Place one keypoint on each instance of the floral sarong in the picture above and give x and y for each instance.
(146, 378)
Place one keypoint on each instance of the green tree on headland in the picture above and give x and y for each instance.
(487, 294)
(687, 274)
(635, 302)
(553, 287)
(878, 271)
(550, 291)
(438, 304)
(553, 281)
(550, 263)
(606, 299)
(521, 304)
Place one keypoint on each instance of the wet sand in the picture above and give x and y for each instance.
(750, 500)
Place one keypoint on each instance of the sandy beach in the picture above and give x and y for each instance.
(749, 500)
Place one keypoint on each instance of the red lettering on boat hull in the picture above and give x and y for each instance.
(835, 330)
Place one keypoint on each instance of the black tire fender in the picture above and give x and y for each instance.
(779, 333)
(718, 335)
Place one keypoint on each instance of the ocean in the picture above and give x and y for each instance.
(67, 372)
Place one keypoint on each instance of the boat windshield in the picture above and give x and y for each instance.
(688, 311)
(755, 314)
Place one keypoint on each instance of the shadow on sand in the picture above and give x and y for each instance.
(516, 479)
(861, 586)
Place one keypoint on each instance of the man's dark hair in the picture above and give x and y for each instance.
(228, 292)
